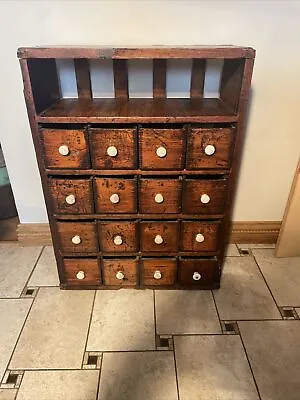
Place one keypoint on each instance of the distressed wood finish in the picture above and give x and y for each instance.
(109, 231)
(159, 78)
(165, 271)
(128, 267)
(88, 266)
(207, 268)
(197, 78)
(84, 235)
(120, 78)
(209, 231)
(83, 78)
(159, 236)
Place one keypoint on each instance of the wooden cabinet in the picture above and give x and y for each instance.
(139, 191)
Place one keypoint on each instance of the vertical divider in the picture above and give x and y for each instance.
(120, 78)
(83, 78)
(197, 78)
(159, 78)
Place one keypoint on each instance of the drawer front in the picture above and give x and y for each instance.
(82, 271)
(159, 196)
(199, 236)
(204, 196)
(113, 148)
(65, 148)
(113, 195)
(71, 196)
(120, 272)
(161, 149)
(159, 272)
(209, 148)
(77, 237)
(159, 236)
(118, 236)
(199, 272)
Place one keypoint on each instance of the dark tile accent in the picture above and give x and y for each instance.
(244, 252)
(29, 292)
(12, 379)
(230, 328)
(92, 360)
(164, 342)
(288, 313)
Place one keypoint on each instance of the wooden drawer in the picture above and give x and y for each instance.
(159, 236)
(71, 196)
(204, 196)
(77, 237)
(199, 236)
(113, 148)
(115, 195)
(65, 148)
(198, 271)
(82, 271)
(209, 148)
(160, 196)
(118, 236)
(161, 149)
(159, 271)
(120, 272)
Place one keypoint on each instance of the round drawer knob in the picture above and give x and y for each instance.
(205, 198)
(157, 275)
(63, 150)
(159, 198)
(118, 240)
(70, 199)
(114, 198)
(199, 238)
(196, 276)
(161, 152)
(112, 151)
(80, 275)
(76, 239)
(120, 275)
(158, 239)
(209, 150)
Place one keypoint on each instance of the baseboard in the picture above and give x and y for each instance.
(241, 232)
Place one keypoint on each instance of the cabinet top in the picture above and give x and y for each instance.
(106, 52)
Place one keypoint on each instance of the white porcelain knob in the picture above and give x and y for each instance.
(209, 150)
(112, 151)
(205, 198)
(120, 275)
(70, 199)
(114, 198)
(199, 238)
(157, 275)
(159, 198)
(76, 239)
(196, 276)
(63, 150)
(158, 239)
(118, 240)
(161, 152)
(80, 275)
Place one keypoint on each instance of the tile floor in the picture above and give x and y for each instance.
(241, 342)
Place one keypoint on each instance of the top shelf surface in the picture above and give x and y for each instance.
(154, 52)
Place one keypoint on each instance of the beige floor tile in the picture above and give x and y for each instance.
(55, 332)
(8, 394)
(213, 368)
(282, 276)
(16, 263)
(232, 250)
(243, 293)
(273, 348)
(122, 320)
(298, 311)
(256, 245)
(45, 272)
(138, 376)
(12, 316)
(59, 385)
(183, 311)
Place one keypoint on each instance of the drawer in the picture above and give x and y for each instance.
(159, 271)
(204, 196)
(65, 148)
(160, 196)
(209, 148)
(159, 236)
(114, 195)
(199, 236)
(113, 148)
(161, 149)
(117, 236)
(77, 237)
(71, 196)
(82, 271)
(120, 272)
(198, 271)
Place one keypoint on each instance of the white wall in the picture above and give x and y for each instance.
(272, 27)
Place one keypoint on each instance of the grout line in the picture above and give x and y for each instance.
(99, 377)
(175, 365)
(155, 328)
(89, 327)
(34, 266)
(212, 292)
